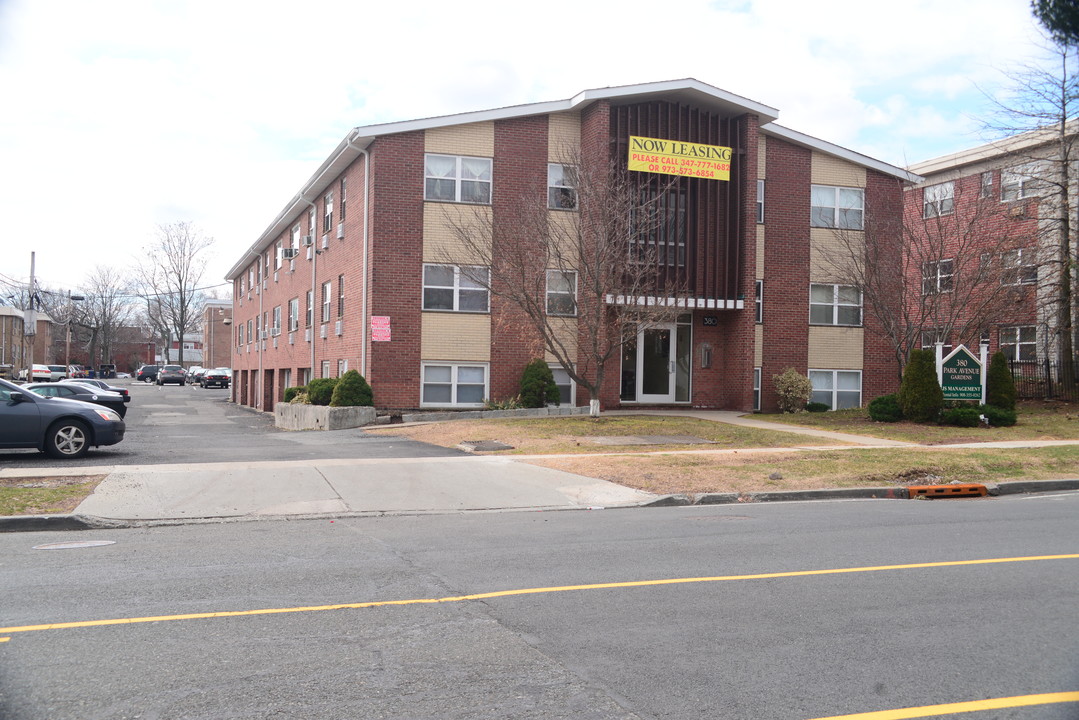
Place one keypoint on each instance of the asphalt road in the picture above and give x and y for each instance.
(583, 639)
(188, 424)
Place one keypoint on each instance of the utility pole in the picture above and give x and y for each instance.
(29, 326)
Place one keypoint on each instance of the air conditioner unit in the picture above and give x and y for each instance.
(274, 332)
(340, 231)
(310, 253)
(289, 253)
(1018, 210)
(322, 332)
(325, 242)
(337, 328)
(275, 343)
(256, 290)
(292, 338)
(308, 240)
(275, 276)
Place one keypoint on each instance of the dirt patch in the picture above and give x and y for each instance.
(45, 495)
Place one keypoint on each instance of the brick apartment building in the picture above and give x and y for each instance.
(1001, 194)
(353, 272)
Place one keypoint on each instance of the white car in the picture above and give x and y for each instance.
(38, 373)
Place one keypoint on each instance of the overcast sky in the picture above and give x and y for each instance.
(120, 116)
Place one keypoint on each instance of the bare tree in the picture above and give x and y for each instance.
(105, 309)
(932, 275)
(169, 282)
(586, 279)
(1038, 120)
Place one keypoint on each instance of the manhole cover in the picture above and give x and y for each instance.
(73, 545)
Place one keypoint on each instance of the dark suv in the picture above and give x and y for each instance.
(147, 373)
(171, 374)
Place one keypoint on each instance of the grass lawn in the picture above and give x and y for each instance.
(45, 496)
(748, 459)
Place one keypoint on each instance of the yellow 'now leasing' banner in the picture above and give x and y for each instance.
(673, 157)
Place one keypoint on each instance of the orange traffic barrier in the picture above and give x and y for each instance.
(946, 491)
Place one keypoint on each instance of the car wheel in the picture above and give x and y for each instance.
(67, 439)
(181, 383)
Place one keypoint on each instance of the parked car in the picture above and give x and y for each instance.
(58, 372)
(147, 373)
(123, 375)
(106, 371)
(84, 393)
(102, 385)
(38, 373)
(171, 374)
(60, 427)
(194, 374)
(218, 377)
(76, 371)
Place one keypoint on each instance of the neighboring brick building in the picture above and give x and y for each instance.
(353, 274)
(1001, 195)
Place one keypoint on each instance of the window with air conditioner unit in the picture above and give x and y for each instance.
(308, 240)
(340, 231)
(337, 328)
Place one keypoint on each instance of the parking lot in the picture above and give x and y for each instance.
(185, 423)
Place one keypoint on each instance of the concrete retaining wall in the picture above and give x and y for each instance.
(485, 414)
(320, 417)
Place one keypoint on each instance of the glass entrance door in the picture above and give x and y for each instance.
(656, 353)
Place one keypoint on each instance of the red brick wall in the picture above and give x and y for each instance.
(786, 264)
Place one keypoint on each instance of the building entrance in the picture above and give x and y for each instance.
(656, 364)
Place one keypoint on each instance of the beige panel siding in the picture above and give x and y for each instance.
(477, 139)
(564, 329)
(758, 347)
(456, 337)
(563, 137)
(828, 170)
(830, 252)
(762, 157)
(836, 348)
(441, 243)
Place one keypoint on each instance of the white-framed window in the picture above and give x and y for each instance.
(567, 389)
(938, 199)
(931, 337)
(293, 314)
(835, 305)
(1019, 182)
(286, 378)
(327, 301)
(938, 276)
(837, 207)
(311, 222)
(1019, 267)
(310, 313)
(760, 201)
(561, 187)
(1019, 343)
(756, 389)
(838, 389)
(456, 178)
(294, 237)
(340, 296)
(325, 369)
(758, 300)
(277, 320)
(240, 334)
(342, 367)
(250, 333)
(327, 212)
(986, 190)
(458, 288)
(561, 292)
(305, 376)
(277, 257)
(453, 384)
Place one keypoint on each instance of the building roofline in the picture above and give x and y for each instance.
(824, 146)
(1012, 145)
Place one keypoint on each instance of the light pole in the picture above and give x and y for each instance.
(70, 312)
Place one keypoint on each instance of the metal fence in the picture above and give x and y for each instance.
(1041, 381)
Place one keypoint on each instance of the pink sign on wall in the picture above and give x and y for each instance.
(380, 328)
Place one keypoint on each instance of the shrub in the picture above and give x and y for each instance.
(352, 390)
(998, 416)
(292, 392)
(300, 398)
(886, 409)
(537, 386)
(961, 417)
(510, 404)
(818, 407)
(920, 396)
(794, 390)
(999, 385)
(320, 390)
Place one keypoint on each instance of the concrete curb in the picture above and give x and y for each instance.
(63, 523)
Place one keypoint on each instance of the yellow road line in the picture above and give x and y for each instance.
(962, 707)
(4, 639)
(525, 591)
